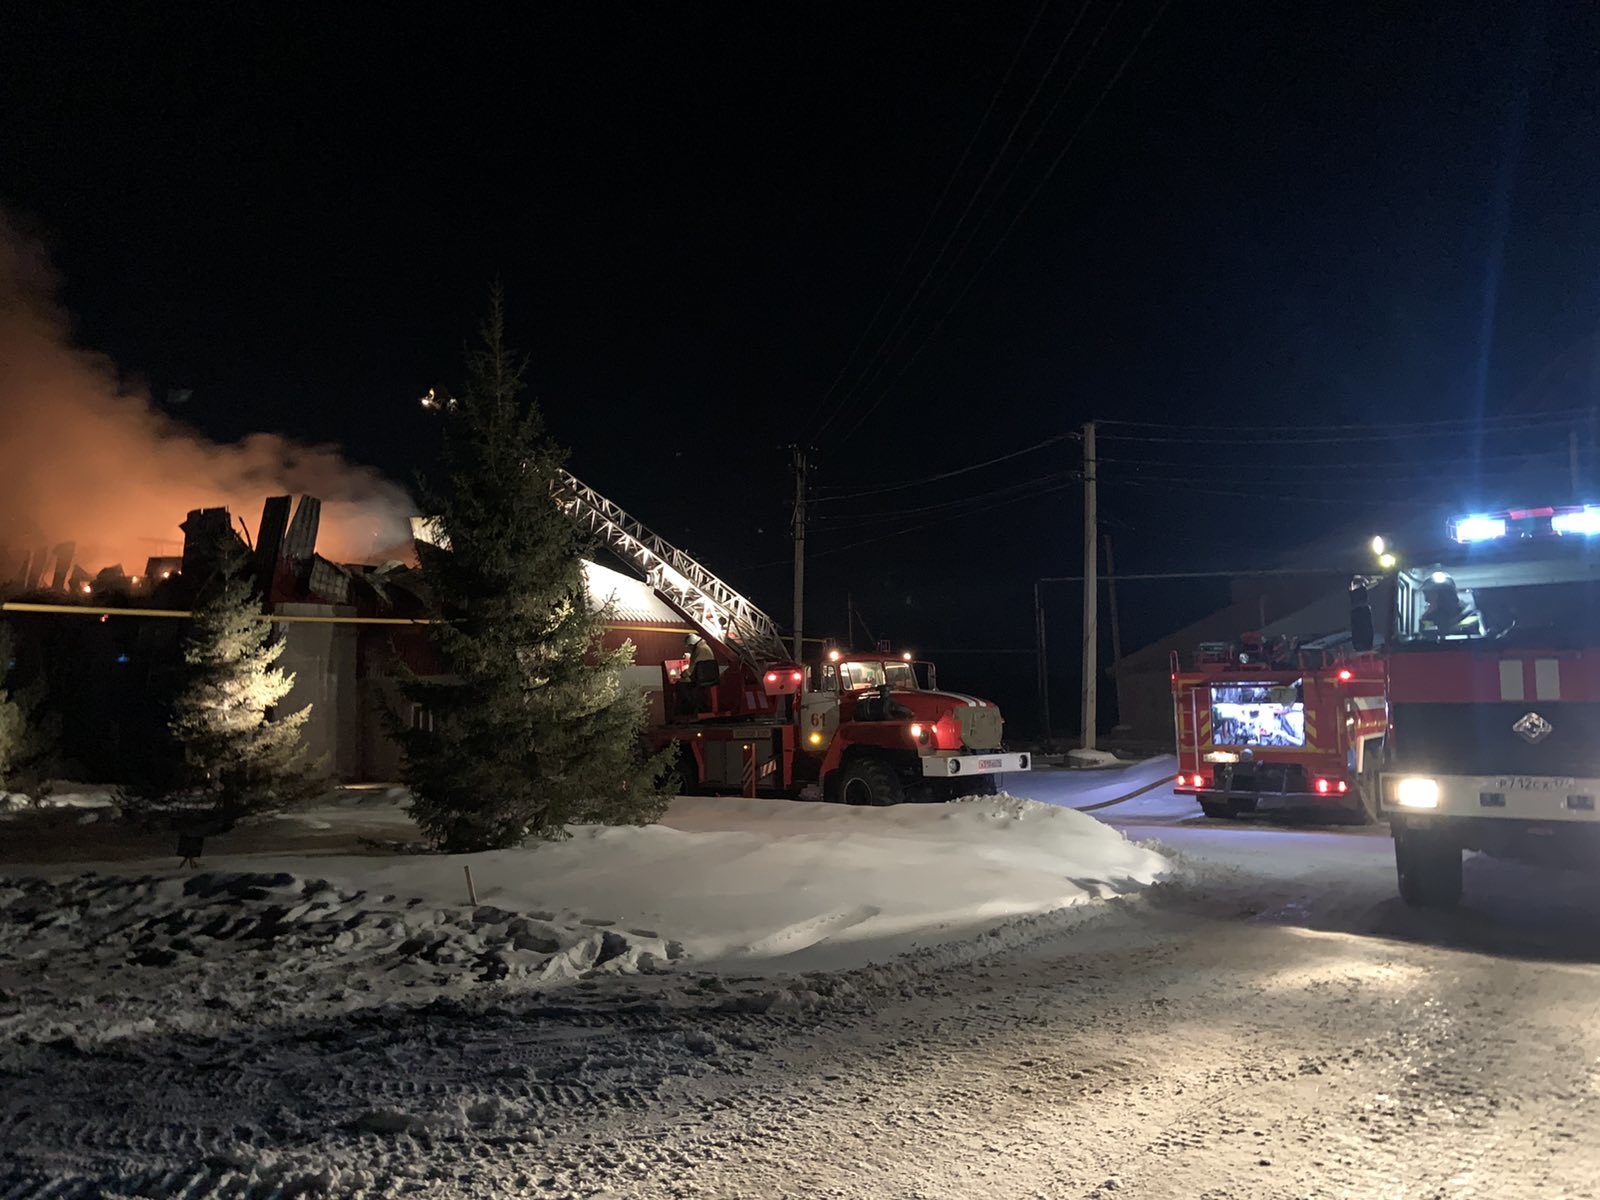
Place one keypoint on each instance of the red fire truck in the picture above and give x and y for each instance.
(1273, 724)
(860, 728)
(1492, 645)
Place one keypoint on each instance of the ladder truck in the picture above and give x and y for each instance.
(860, 728)
(1268, 724)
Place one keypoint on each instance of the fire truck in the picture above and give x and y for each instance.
(1492, 646)
(858, 728)
(1272, 724)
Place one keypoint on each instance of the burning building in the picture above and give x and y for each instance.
(350, 632)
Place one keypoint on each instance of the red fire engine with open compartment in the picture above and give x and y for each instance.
(1274, 724)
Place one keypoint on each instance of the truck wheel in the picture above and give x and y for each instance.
(1217, 810)
(1429, 868)
(868, 781)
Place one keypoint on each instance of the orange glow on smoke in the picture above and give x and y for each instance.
(85, 458)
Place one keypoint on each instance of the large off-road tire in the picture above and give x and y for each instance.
(868, 781)
(1428, 865)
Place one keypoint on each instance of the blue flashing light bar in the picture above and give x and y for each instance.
(1579, 520)
(1477, 528)
(1584, 521)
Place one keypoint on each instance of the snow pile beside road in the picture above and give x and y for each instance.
(731, 886)
(746, 885)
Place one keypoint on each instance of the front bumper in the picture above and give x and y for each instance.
(1543, 799)
(960, 766)
(1249, 801)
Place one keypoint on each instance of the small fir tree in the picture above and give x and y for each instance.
(240, 757)
(535, 728)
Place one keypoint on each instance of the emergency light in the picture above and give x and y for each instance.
(1585, 521)
(1477, 529)
(1577, 520)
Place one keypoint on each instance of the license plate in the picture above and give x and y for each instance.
(1533, 783)
(988, 764)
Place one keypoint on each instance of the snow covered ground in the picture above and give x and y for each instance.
(1271, 1024)
(745, 887)
(1148, 782)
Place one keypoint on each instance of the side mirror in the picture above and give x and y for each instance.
(1361, 632)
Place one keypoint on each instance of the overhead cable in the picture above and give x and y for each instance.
(944, 194)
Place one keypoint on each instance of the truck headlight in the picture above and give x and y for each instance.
(1417, 791)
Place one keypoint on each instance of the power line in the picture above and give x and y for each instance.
(896, 487)
(933, 213)
(1234, 469)
(1066, 90)
(921, 525)
(897, 514)
(1319, 434)
(1359, 425)
(869, 378)
(1270, 572)
(1202, 487)
(1006, 233)
(1188, 490)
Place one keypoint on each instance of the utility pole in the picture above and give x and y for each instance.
(1043, 662)
(1091, 589)
(800, 466)
(1116, 627)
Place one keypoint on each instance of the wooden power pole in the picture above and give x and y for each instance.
(1091, 590)
(800, 465)
(1116, 627)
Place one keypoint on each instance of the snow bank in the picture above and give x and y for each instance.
(775, 885)
(730, 886)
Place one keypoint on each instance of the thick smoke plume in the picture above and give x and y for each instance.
(82, 458)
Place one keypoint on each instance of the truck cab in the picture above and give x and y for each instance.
(884, 736)
(1493, 724)
(864, 728)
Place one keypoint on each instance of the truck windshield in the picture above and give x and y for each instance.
(1435, 606)
(855, 676)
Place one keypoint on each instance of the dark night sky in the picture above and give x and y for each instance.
(1281, 214)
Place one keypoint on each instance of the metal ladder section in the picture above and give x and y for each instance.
(716, 608)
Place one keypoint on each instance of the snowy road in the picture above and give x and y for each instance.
(1276, 1025)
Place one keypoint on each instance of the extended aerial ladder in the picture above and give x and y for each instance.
(759, 729)
(720, 612)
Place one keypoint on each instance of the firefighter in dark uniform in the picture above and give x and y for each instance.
(1448, 610)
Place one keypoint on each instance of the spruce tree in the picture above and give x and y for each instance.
(240, 757)
(535, 728)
